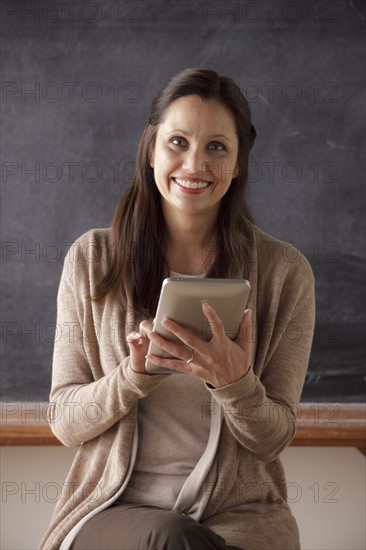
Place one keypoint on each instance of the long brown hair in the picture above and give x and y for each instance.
(138, 235)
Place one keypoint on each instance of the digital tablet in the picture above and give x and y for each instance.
(181, 300)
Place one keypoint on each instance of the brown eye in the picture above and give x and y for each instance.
(217, 146)
(178, 139)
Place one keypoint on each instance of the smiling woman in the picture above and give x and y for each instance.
(180, 462)
(191, 168)
(219, 251)
(193, 173)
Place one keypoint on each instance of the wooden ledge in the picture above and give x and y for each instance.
(331, 424)
(318, 424)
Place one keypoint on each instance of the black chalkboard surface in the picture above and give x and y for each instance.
(77, 82)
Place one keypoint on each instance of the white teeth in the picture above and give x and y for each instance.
(192, 184)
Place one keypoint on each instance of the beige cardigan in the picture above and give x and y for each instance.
(94, 399)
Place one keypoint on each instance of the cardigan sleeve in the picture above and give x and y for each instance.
(82, 407)
(261, 411)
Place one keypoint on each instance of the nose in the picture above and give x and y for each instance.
(195, 162)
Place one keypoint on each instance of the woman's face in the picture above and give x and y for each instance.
(195, 156)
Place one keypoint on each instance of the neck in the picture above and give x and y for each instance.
(191, 243)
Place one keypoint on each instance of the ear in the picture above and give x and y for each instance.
(151, 160)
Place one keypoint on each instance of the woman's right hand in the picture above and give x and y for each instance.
(138, 343)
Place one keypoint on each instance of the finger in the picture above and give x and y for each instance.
(191, 338)
(181, 366)
(163, 362)
(138, 344)
(215, 321)
(134, 337)
(145, 327)
(246, 330)
(173, 364)
(176, 349)
(138, 340)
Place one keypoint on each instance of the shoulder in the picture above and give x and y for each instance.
(281, 262)
(94, 240)
(89, 252)
(98, 236)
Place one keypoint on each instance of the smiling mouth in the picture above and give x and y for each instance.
(192, 184)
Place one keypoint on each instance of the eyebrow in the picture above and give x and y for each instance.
(188, 134)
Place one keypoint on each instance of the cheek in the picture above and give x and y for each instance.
(165, 161)
(223, 170)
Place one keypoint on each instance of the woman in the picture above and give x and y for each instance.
(169, 461)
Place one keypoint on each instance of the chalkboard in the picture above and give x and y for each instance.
(77, 82)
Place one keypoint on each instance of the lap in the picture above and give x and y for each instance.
(132, 527)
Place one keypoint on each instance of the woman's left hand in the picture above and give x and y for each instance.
(219, 361)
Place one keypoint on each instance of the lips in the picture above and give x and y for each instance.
(192, 184)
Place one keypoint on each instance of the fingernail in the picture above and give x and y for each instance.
(133, 337)
(206, 305)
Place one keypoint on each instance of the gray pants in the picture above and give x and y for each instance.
(133, 527)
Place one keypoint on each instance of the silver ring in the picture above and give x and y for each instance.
(190, 359)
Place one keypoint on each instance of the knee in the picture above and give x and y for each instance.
(178, 531)
(171, 522)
